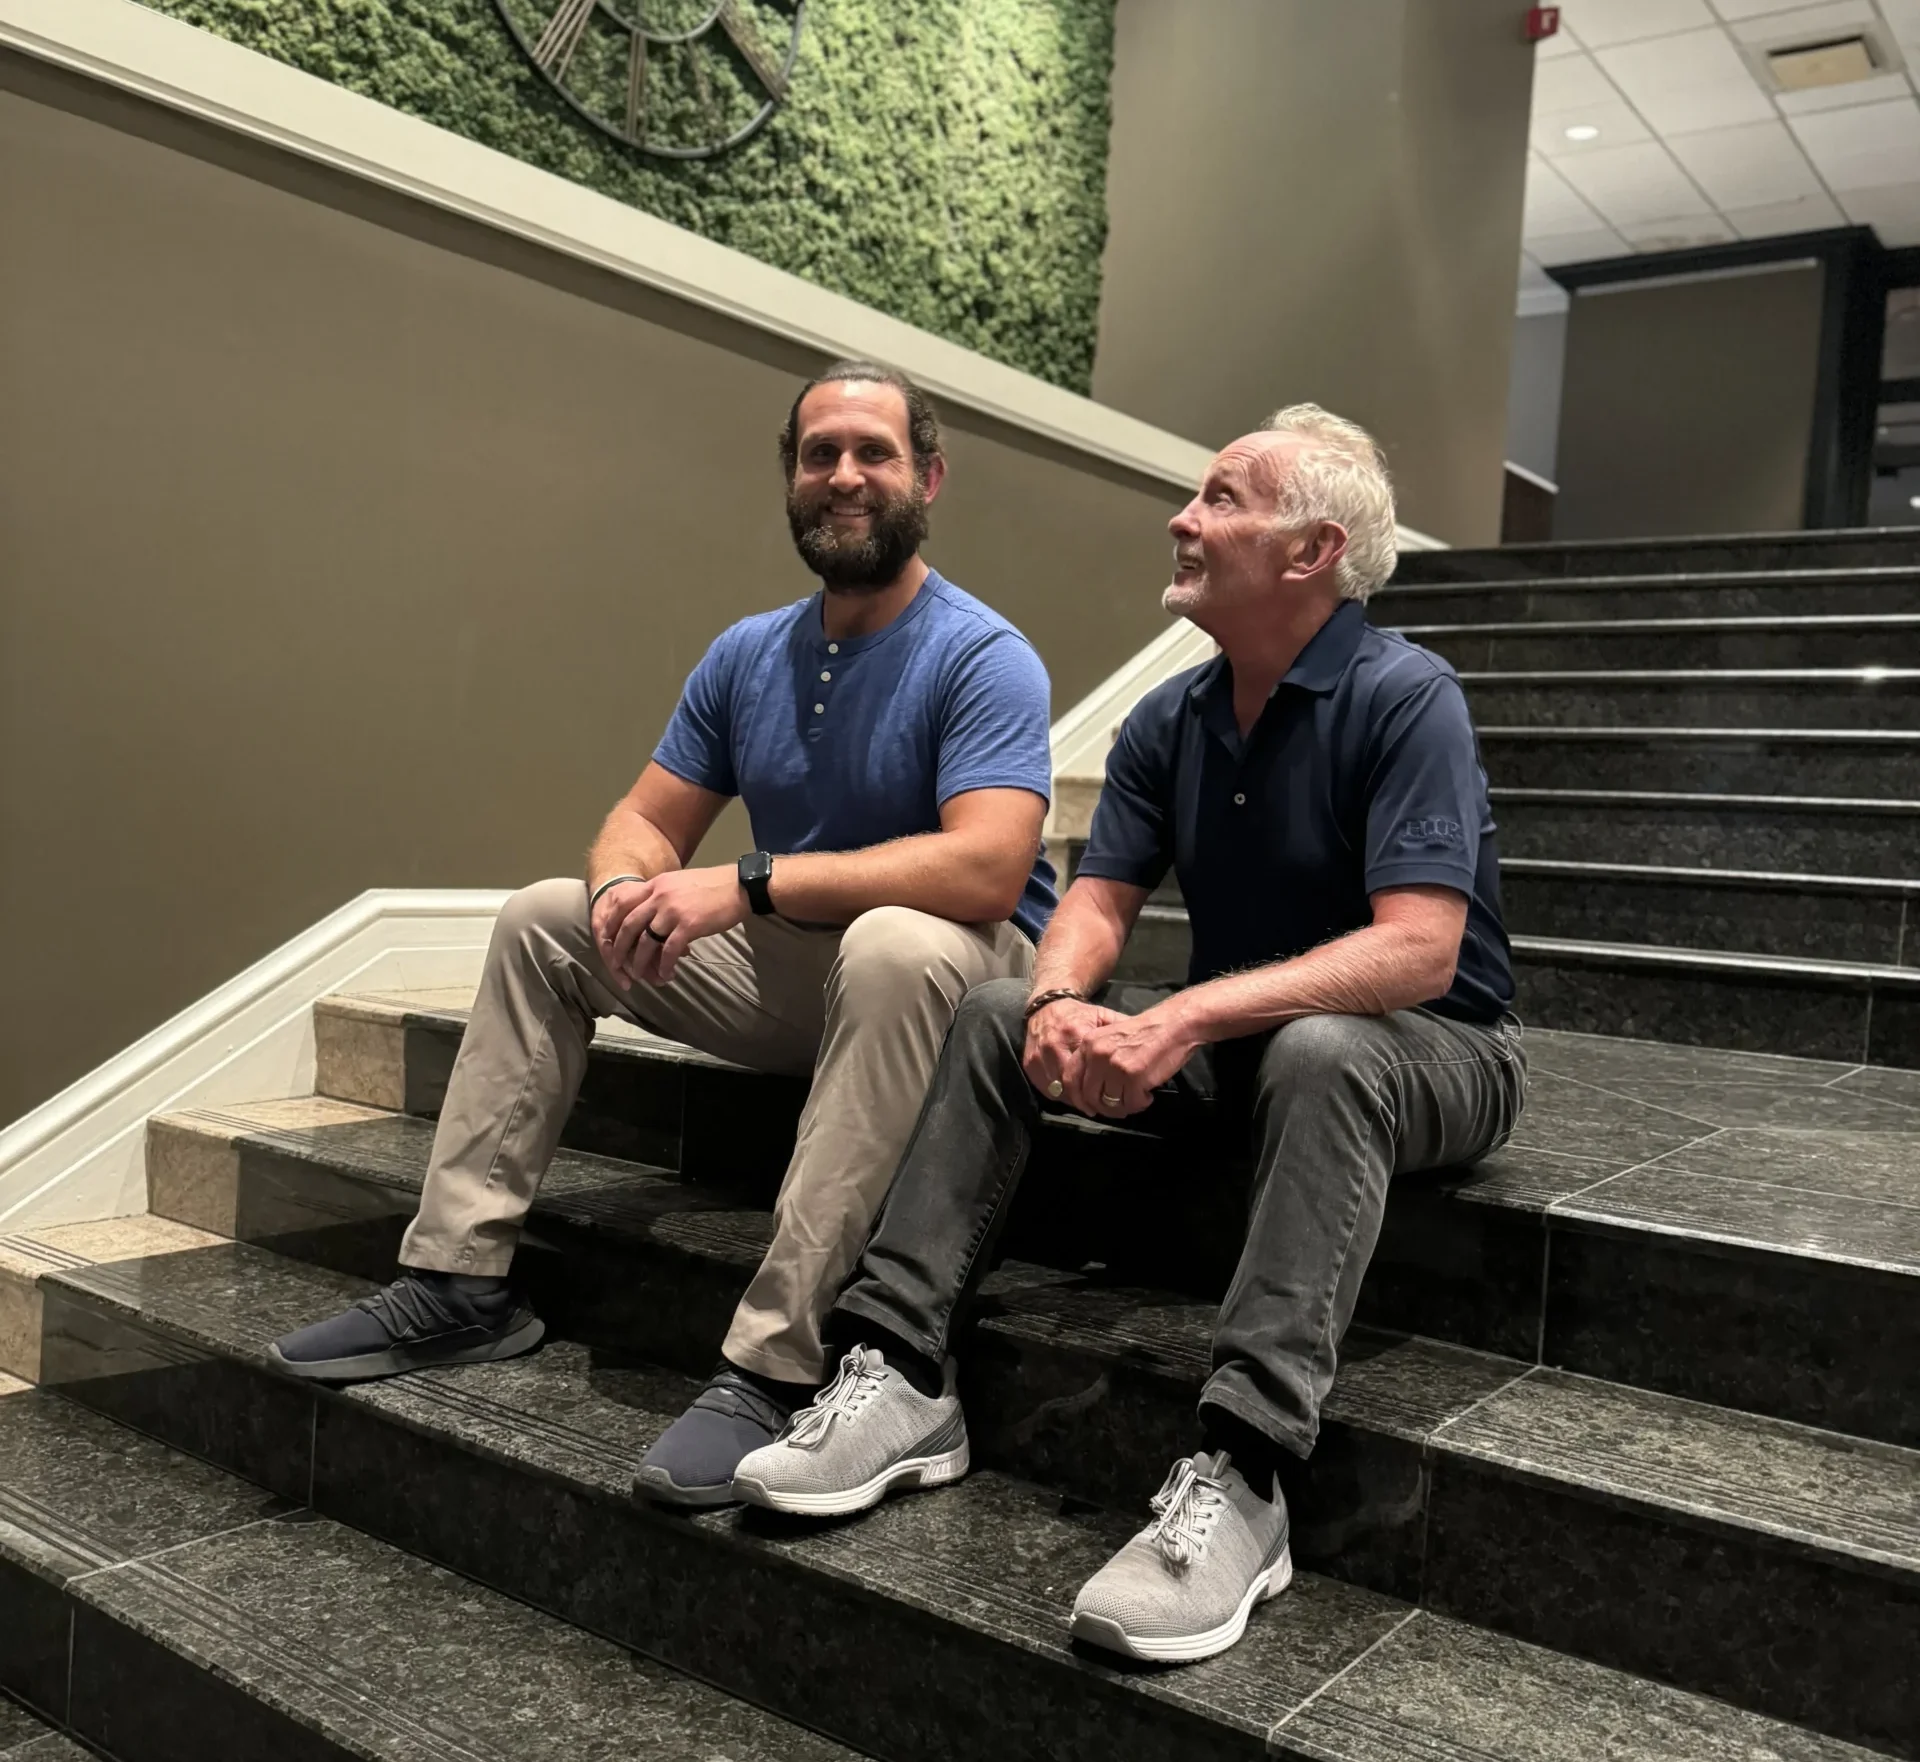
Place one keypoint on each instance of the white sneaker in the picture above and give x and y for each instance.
(868, 1431)
(1185, 1585)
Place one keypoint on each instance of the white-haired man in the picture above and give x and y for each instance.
(1318, 790)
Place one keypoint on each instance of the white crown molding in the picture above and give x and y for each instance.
(82, 1154)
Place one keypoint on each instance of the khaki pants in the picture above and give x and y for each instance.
(866, 1009)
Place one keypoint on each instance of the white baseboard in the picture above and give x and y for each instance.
(82, 1154)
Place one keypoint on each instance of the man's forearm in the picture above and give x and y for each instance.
(1082, 945)
(629, 844)
(1371, 972)
(952, 875)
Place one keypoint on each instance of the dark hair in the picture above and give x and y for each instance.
(923, 424)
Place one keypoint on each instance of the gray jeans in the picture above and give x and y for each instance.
(1335, 1106)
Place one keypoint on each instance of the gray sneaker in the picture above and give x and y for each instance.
(1185, 1585)
(868, 1431)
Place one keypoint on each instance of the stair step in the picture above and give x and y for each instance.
(1858, 640)
(1794, 1290)
(1730, 594)
(1771, 1565)
(23, 1738)
(1858, 920)
(1736, 761)
(1852, 698)
(1809, 835)
(1736, 1229)
(1717, 553)
(1741, 1000)
(166, 1610)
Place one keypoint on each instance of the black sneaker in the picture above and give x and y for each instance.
(420, 1319)
(694, 1460)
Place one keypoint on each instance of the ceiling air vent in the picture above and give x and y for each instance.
(1836, 62)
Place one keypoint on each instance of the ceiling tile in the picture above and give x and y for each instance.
(1813, 213)
(1870, 146)
(1631, 184)
(1624, 21)
(1734, 10)
(1687, 83)
(1552, 206)
(1578, 247)
(1569, 83)
(1893, 212)
(1562, 42)
(1678, 235)
(1807, 24)
(1615, 119)
(1747, 167)
(1816, 98)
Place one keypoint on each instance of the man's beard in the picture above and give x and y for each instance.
(851, 562)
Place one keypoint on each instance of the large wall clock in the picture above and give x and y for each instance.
(681, 79)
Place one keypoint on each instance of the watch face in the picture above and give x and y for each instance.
(679, 79)
(757, 867)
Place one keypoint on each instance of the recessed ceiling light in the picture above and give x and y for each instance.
(1913, 501)
(1582, 131)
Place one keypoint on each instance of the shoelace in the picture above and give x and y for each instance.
(1187, 1507)
(409, 1308)
(849, 1391)
(731, 1394)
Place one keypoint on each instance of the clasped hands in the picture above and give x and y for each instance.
(1106, 1064)
(642, 928)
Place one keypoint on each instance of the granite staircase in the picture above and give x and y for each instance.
(1623, 1460)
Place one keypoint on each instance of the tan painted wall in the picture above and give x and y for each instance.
(1688, 406)
(1319, 201)
(344, 544)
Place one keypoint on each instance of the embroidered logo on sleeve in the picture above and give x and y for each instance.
(1445, 833)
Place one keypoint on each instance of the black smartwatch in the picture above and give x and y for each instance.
(756, 871)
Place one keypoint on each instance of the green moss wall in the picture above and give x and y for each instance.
(942, 160)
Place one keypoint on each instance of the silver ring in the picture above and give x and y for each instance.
(1109, 1101)
(1056, 1089)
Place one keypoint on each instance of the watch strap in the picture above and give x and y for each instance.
(756, 876)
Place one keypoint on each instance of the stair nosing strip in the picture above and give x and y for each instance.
(1790, 624)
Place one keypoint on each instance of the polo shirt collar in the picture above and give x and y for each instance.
(1318, 668)
(1323, 663)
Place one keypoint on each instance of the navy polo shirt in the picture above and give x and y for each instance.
(1362, 773)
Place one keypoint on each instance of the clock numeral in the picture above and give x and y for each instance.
(562, 36)
(751, 53)
(637, 89)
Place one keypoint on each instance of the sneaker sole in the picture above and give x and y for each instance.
(1099, 1630)
(398, 1360)
(915, 1471)
(660, 1488)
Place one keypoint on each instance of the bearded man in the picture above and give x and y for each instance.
(888, 737)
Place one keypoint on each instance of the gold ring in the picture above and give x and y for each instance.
(1056, 1089)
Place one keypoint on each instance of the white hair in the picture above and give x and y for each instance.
(1340, 475)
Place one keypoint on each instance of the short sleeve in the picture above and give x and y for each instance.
(1131, 838)
(698, 744)
(993, 728)
(1425, 792)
